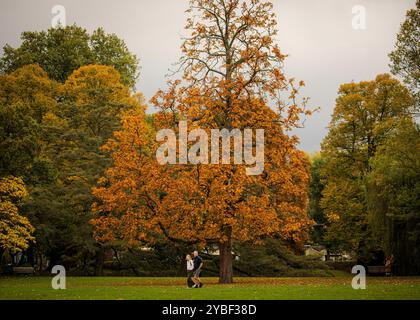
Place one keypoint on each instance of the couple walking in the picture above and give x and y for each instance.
(194, 266)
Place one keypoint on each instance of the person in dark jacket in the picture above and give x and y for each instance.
(198, 264)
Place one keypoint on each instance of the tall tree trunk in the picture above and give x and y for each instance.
(99, 263)
(40, 262)
(54, 258)
(225, 251)
(182, 270)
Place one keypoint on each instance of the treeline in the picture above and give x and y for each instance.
(62, 94)
(365, 189)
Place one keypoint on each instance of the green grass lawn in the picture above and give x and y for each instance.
(174, 288)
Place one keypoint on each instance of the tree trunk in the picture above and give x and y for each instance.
(54, 258)
(40, 262)
(182, 271)
(99, 263)
(225, 252)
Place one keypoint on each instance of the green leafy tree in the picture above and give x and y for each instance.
(405, 59)
(60, 51)
(93, 99)
(27, 95)
(366, 113)
(51, 132)
(394, 201)
(316, 187)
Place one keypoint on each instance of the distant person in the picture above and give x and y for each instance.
(198, 264)
(389, 262)
(190, 271)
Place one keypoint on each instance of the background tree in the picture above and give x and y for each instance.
(394, 203)
(366, 113)
(231, 71)
(26, 96)
(92, 101)
(405, 59)
(15, 230)
(60, 51)
(46, 127)
(274, 259)
(316, 187)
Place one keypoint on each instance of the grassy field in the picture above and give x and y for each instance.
(87, 288)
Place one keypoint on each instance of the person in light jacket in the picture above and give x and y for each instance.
(190, 271)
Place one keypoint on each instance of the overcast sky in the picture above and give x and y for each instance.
(324, 49)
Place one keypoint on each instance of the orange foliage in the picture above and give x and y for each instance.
(231, 74)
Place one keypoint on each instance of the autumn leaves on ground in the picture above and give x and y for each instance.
(80, 185)
(94, 288)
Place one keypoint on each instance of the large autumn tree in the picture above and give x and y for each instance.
(232, 74)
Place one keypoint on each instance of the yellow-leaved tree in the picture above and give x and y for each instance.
(15, 230)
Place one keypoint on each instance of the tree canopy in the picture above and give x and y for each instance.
(365, 117)
(393, 200)
(405, 59)
(231, 70)
(60, 51)
(15, 229)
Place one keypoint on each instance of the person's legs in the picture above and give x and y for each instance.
(190, 281)
(196, 278)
